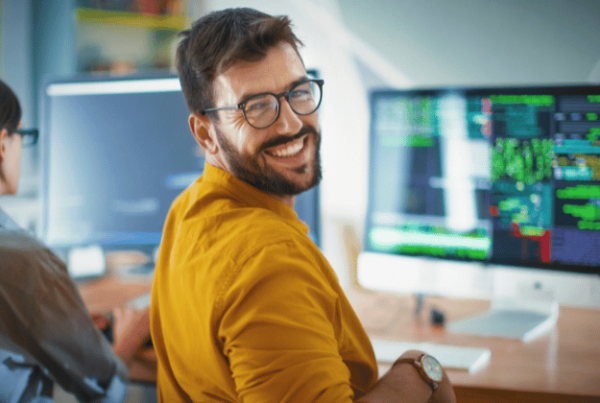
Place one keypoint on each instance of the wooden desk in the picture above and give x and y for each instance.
(561, 366)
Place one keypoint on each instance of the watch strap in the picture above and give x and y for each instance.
(415, 358)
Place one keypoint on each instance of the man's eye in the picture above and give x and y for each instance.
(257, 106)
(300, 94)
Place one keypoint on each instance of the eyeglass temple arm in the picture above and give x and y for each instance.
(221, 108)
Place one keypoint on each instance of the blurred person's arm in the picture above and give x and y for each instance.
(131, 330)
(44, 316)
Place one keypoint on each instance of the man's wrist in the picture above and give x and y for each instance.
(428, 368)
(400, 384)
(443, 392)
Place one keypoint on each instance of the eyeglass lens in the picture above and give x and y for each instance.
(262, 111)
(28, 137)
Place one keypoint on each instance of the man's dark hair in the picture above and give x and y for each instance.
(10, 109)
(219, 40)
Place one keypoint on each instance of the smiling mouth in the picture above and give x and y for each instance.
(288, 149)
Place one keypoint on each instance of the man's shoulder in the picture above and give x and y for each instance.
(208, 219)
(206, 209)
(234, 231)
(198, 199)
(261, 227)
(185, 197)
(244, 228)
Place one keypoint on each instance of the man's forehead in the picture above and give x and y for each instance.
(276, 72)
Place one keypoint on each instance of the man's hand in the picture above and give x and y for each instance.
(131, 329)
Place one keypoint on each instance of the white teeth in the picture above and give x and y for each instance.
(291, 149)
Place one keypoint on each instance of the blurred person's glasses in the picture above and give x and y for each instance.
(262, 110)
(28, 136)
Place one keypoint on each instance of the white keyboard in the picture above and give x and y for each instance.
(471, 359)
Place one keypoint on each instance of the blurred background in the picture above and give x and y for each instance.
(354, 45)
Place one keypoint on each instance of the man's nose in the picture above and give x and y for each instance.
(288, 121)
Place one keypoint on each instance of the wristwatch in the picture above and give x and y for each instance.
(428, 367)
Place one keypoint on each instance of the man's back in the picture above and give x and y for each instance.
(245, 307)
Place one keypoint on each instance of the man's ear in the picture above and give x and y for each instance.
(203, 131)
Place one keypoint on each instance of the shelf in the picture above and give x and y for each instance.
(159, 22)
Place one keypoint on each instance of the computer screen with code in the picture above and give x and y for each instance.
(507, 176)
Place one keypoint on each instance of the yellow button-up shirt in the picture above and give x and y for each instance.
(245, 308)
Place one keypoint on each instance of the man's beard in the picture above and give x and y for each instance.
(262, 176)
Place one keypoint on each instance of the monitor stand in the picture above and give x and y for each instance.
(523, 319)
(524, 302)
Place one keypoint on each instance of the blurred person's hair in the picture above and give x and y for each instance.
(10, 109)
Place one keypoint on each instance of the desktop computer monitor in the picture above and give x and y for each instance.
(466, 185)
(116, 152)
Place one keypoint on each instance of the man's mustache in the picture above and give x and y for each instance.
(284, 139)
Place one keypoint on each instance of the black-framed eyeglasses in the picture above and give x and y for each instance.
(262, 110)
(28, 136)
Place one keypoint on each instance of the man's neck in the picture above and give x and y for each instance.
(217, 163)
(288, 200)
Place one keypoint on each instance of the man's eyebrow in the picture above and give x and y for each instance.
(291, 85)
(298, 81)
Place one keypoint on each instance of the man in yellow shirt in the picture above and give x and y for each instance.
(245, 308)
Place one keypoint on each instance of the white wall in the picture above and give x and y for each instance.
(357, 45)
(482, 42)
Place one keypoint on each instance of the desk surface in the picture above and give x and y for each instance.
(561, 366)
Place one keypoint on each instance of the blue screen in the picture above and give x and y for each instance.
(116, 154)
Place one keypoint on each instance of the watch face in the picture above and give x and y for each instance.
(432, 368)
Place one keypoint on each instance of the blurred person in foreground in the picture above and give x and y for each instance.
(245, 308)
(46, 332)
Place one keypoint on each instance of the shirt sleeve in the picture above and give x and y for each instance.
(43, 313)
(280, 329)
(116, 391)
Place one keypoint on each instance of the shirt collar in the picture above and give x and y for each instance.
(250, 195)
